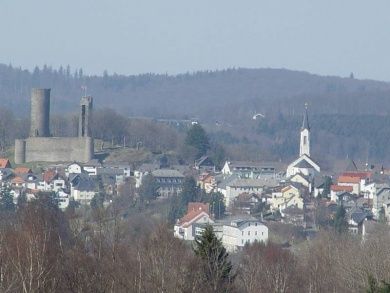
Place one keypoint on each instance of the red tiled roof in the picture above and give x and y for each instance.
(198, 206)
(361, 175)
(17, 180)
(4, 163)
(349, 179)
(194, 210)
(22, 170)
(49, 175)
(341, 188)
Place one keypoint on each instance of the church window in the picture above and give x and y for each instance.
(304, 139)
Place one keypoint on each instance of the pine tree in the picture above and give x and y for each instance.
(374, 287)
(22, 200)
(340, 223)
(6, 200)
(148, 189)
(197, 138)
(216, 264)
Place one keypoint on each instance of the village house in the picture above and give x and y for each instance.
(197, 213)
(381, 202)
(169, 181)
(238, 233)
(83, 188)
(91, 167)
(207, 182)
(73, 168)
(336, 190)
(238, 186)
(252, 170)
(5, 163)
(356, 218)
(6, 174)
(287, 196)
(246, 203)
(204, 164)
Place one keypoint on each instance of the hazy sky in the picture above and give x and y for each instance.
(330, 37)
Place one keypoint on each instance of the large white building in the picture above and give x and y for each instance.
(238, 233)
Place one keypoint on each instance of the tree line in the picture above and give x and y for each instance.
(105, 250)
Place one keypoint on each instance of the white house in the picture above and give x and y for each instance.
(73, 168)
(83, 188)
(63, 199)
(253, 170)
(237, 233)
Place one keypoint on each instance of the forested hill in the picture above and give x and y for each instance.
(228, 95)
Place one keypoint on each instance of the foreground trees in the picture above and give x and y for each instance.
(217, 268)
(45, 250)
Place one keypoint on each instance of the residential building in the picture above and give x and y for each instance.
(238, 233)
(169, 181)
(197, 213)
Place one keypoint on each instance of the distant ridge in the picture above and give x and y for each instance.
(226, 95)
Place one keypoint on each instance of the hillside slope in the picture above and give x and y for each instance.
(228, 95)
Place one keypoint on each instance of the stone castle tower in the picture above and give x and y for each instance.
(41, 146)
(304, 147)
(85, 117)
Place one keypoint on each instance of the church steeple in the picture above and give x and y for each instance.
(304, 147)
(305, 122)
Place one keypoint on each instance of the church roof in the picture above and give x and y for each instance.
(305, 122)
(303, 164)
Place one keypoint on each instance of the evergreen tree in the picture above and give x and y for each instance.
(340, 223)
(382, 216)
(148, 188)
(218, 156)
(6, 200)
(97, 201)
(374, 287)
(22, 200)
(198, 139)
(217, 204)
(327, 185)
(189, 192)
(215, 260)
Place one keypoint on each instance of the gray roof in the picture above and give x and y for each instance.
(167, 173)
(224, 180)
(83, 183)
(147, 167)
(253, 182)
(93, 163)
(358, 215)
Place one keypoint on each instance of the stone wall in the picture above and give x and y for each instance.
(56, 149)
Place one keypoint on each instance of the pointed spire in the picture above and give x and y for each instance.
(305, 123)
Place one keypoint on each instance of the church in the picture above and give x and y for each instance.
(304, 164)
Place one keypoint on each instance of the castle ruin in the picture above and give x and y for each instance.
(41, 146)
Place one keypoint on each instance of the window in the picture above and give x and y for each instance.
(262, 233)
(256, 224)
(304, 140)
(242, 233)
(256, 233)
(249, 233)
(242, 241)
